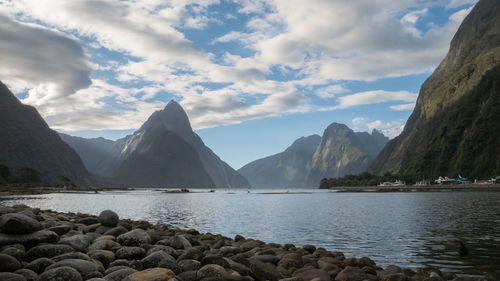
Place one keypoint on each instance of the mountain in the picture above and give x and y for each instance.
(282, 170)
(163, 152)
(343, 151)
(455, 126)
(27, 141)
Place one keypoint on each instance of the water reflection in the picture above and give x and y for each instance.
(407, 229)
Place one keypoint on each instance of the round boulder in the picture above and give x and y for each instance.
(9, 276)
(152, 274)
(130, 253)
(15, 223)
(8, 263)
(109, 218)
(65, 273)
(211, 270)
(134, 237)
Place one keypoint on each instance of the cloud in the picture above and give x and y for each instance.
(48, 63)
(330, 91)
(357, 122)
(389, 129)
(459, 3)
(402, 107)
(371, 97)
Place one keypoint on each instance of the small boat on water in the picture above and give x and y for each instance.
(447, 180)
(396, 183)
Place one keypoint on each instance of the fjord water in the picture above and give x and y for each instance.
(406, 229)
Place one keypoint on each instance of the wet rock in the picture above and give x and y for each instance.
(351, 274)
(264, 271)
(188, 276)
(116, 231)
(192, 254)
(120, 274)
(78, 242)
(108, 218)
(228, 251)
(89, 220)
(119, 262)
(29, 275)
(39, 264)
(289, 261)
(16, 223)
(47, 251)
(65, 273)
(134, 237)
(9, 276)
(267, 258)
(82, 266)
(95, 274)
(15, 252)
(396, 277)
(238, 267)
(167, 249)
(189, 265)
(180, 242)
(112, 269)
(104, 244)
(152, 274)
(8, 263)
(211, 270)
(60, 229)
(160, 259)
(29, 240)
(130, 253)
(309, 248)
(72, 255)
(249, 245)
(137, 265)
(214, 259)
(312, 273)
(104, 256)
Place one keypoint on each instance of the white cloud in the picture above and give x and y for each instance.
(459, 3)
(389, 129)
(371, 97)
(330, 91)
(358, 122)
(402, 107)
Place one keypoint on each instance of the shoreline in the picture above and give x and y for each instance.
(410, 188)
(87, 246)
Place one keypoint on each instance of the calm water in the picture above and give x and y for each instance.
(406, 229)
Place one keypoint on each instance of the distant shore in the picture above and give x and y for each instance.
(48, 245)
(411, 188)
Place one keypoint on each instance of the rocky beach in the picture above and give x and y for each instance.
(47, 245)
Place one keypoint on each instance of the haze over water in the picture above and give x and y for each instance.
(405, 229)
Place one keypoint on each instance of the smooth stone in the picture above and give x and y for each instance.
(135, 237)
(114, 268)
(119, 262)
(249, 245)
(119, 275)
(95, 274)
(267, 258)
(8, 263)
(9, 276)
(102, 229)
(292, 279)
(16, 223)
(214, 259)
(39, 264)
(15, 252)
(160, 259)
(189, 265)
(80, 242)
(228, 251)
(108, 218)
(89, 221)
(29, 240)
(181, 242)
(65, 273)
(116, 231)
(60, 229)
(151, 274)
(82, 266)
(29, 275)
(96, 279)
(313, 273)
(402, 277)
(192, 253)
(5, 210)
(238, 267)
(104, 244)
(104, 256)
(188, 276)
(167, 249)
(264, 271)
(211, 270)
(130, 253)
(47, 251)
(72, 255)
(351, 274)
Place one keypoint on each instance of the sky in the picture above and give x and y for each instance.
(252, 75)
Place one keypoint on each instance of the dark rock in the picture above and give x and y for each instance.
(104, 256)
(104, 244)
(211, 270)
(134, 237)
(160, 259)
(114, 268)
(119, 275)
(89, 221)
(192, 254)
(238, 267)
(214, 259)
(15, 252)
(108, 218)
(266, 258)
(309, 248)
(29, 275)
(228, 251)
(188, 276)
(60, 229)
(395, 277)
(119, 262)
(137, 265)
(8, 263)
(82, 266)
(152, 274)
(96, 279)
(102, 229)
(167, 249)
(78, 242)
(116, 231)
(95, 274)
(313, 273)
(264, 271)
(130, 253)
(189, 265)
(292, 279)
(16, 223)
(351, 274)
(39, 264)
(249, 245)
(29, 240)
(72, 255)
(9, 276)
(65, 273)
(180, 242)
(47, 251)
(290, 261)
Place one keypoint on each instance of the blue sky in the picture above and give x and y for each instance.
(253, 76)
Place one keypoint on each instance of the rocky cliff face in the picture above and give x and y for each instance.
(455, 125)
(27, 141)
(342, 152)
(283, 170)
(163, 152)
